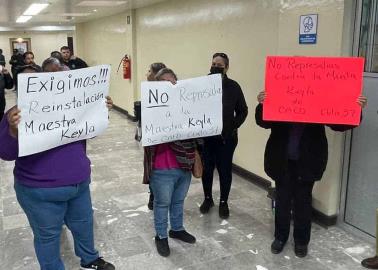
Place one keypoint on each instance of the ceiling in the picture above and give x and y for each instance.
(64, 12)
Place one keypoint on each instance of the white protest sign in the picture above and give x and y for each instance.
(190, 109)
(61, 107)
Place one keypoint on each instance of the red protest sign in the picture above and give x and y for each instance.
(313, 89)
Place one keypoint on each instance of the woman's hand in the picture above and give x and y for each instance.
(109, 102)
(261, 97)
(14, 118)
(362, 101)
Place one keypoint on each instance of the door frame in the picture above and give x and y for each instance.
(348, 137)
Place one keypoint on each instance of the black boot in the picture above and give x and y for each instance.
(301, 250)
(206, 205)
(183, 236)
(224, 212)
(162, 246)
(277, 246)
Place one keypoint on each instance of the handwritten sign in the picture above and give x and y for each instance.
(190, 109)
(313, 89)
(61, 107)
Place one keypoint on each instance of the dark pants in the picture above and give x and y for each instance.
(218, 153)
(14, 76)
(293, 195)
(2, 105)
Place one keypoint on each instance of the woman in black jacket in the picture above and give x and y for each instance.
(296, 156)
(219, 150)
(6, 82)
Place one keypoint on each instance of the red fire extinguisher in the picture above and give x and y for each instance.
(126, 66)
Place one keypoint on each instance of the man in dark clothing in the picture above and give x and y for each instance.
(6, 82)
(70, 60)
(296, 156)
(219, 150)
(2, 58)
(16, 61)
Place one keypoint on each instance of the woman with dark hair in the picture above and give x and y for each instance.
(152, 71)
(58, 55)
(52, 195)
(168, 168)
(219, 150)
(296, 156)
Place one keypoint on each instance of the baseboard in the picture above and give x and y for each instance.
(322, 219)
(123, 111)
(251, 177)
(317, 216)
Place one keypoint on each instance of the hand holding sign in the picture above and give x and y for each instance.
(14, 118)
(313, 89)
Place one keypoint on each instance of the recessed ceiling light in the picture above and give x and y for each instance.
(23, 19)
(74, 14)
(35, 9)
(90, 3)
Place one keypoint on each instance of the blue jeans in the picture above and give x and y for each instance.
(47, 210)
(170, 188)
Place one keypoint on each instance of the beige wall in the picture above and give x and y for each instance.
(184, 35)
(42, 43)
(106, 41)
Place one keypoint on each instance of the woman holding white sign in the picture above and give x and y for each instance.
(151, 74)
(168, 168)
(296, 156)
(219, 150)
(52, 188)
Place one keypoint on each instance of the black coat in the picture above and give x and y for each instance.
(313, 148)
(235, 109)
(76, 63)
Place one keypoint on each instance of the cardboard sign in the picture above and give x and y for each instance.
(61, 107)
(313, 89)
(190, 109)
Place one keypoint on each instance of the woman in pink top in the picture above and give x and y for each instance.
(168, 168)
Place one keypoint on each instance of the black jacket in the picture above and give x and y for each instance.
(235, 109)
(16, 60)
(2, 60)
(76, 63)
(313, 148)
(6, 82)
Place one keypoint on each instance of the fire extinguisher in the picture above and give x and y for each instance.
(126, 66)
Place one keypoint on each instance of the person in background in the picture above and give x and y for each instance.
(151, 73)
(52, 195)
(16, 61)
(6, 82)
(219, 150)
(70, 60)
(296, 156)
(29, 61)
(2, 58)
(168, 168)
(58, 56)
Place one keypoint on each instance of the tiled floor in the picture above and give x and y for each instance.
(124, 226)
